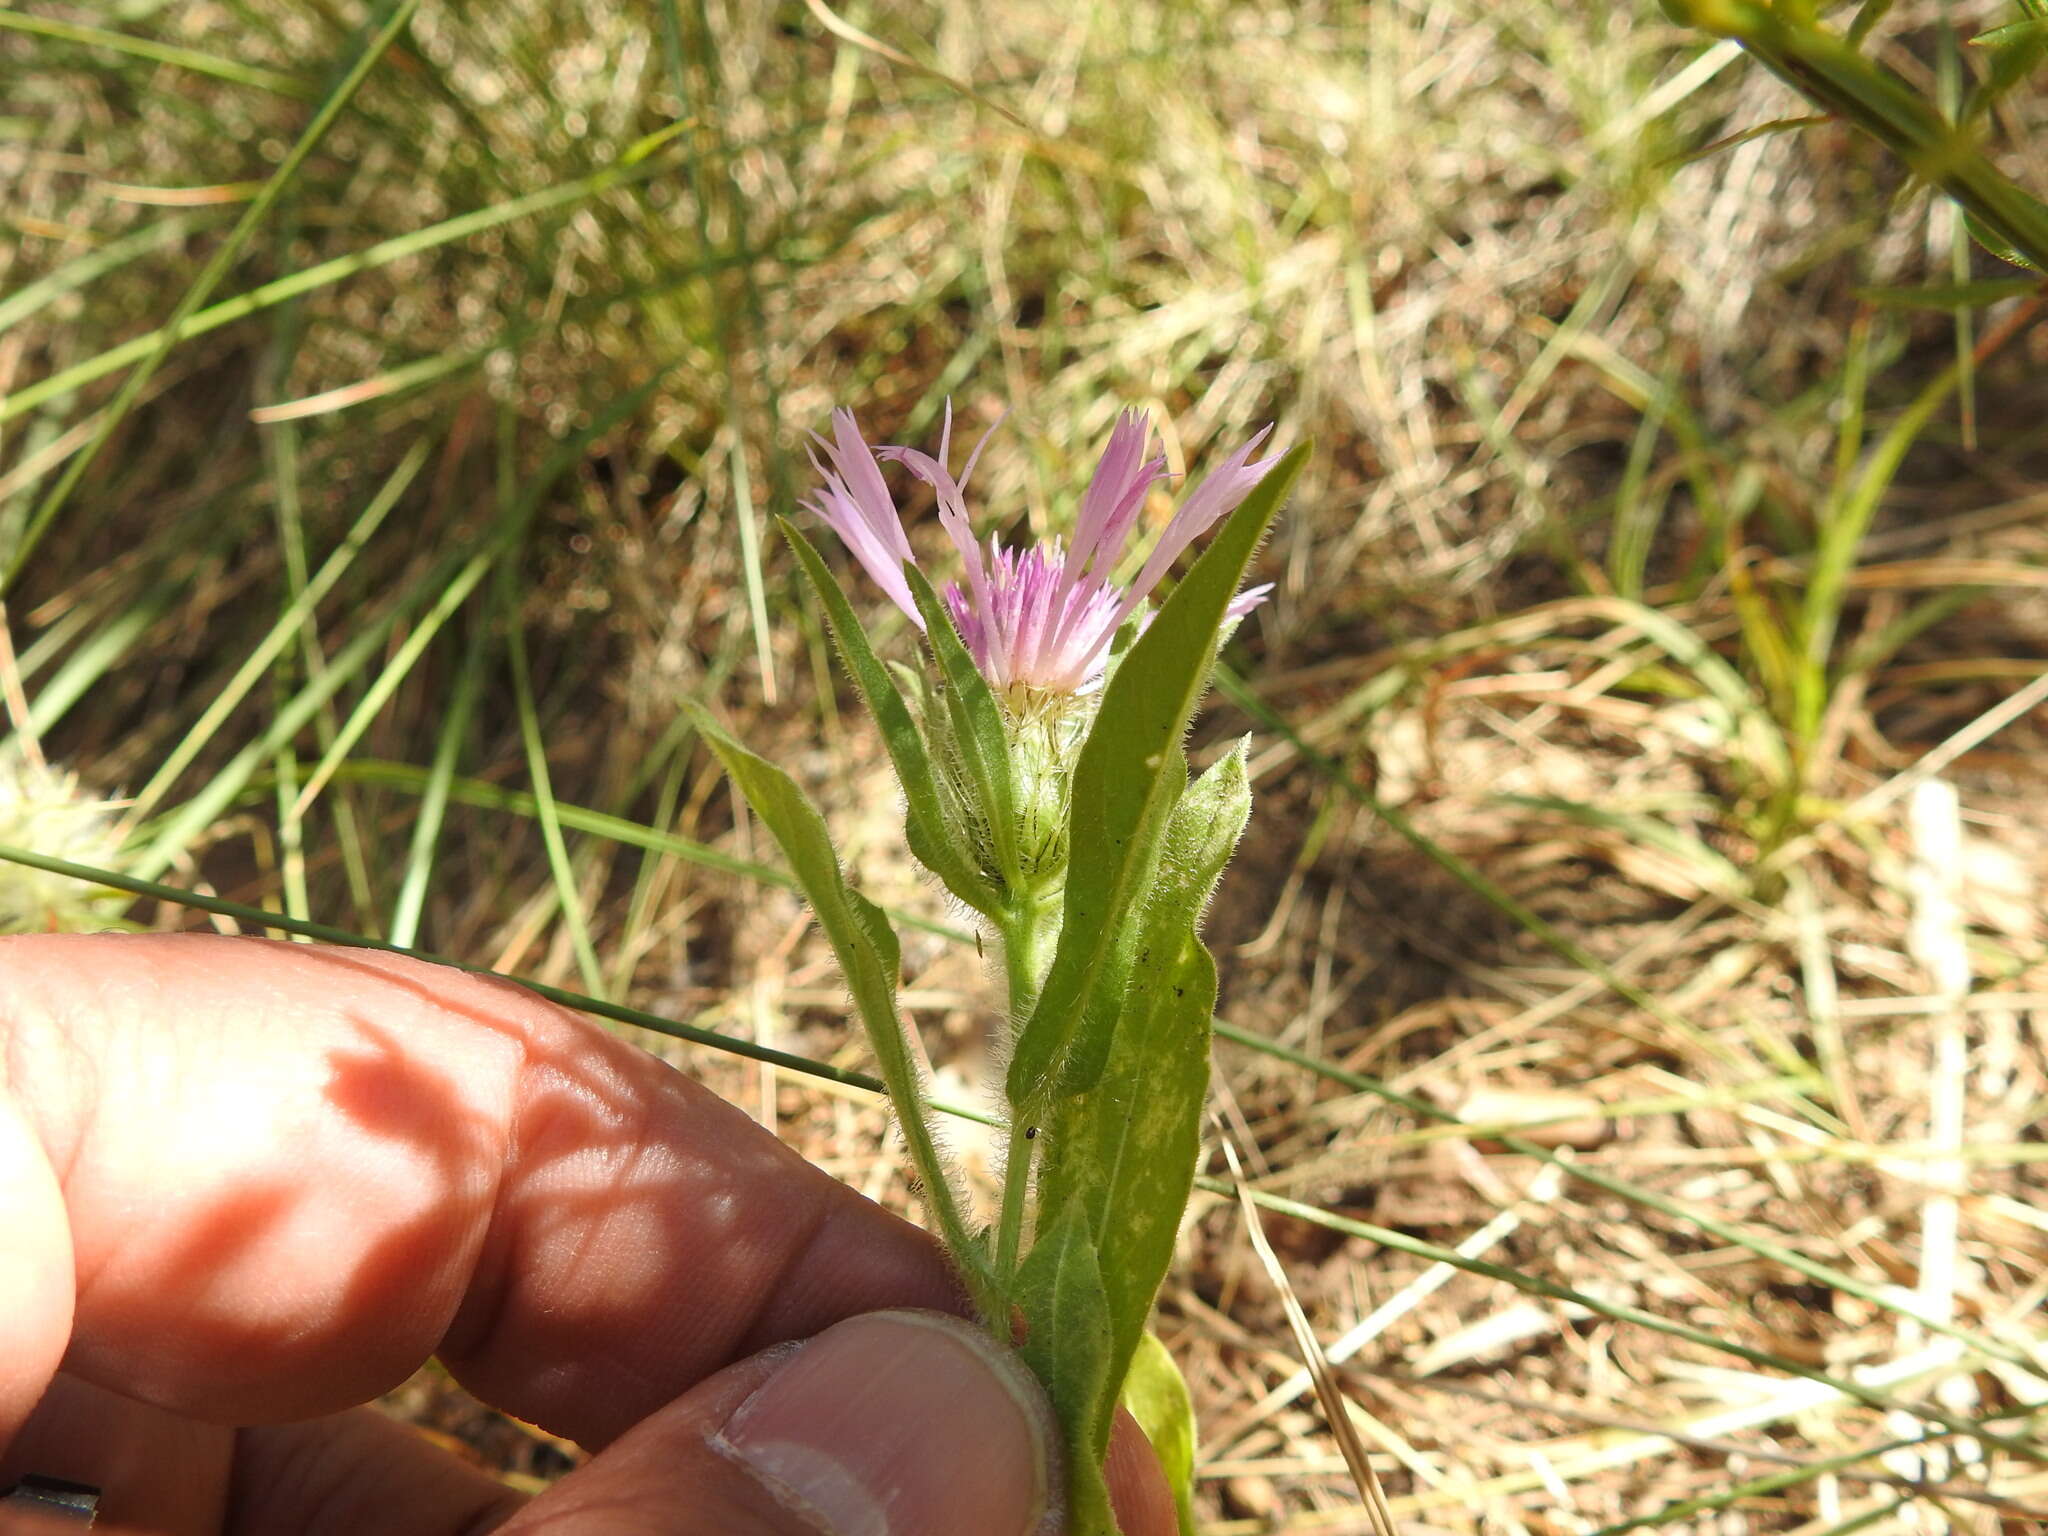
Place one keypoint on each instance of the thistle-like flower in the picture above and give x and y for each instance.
(1038, 620)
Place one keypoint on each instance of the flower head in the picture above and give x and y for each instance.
(1037, 619)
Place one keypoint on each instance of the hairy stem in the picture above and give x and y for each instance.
(1027, 931)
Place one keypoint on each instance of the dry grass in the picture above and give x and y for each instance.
(1452, 243)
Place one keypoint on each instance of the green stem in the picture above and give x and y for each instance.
(1833, 74)
(1025, 936)
(1010, 1229)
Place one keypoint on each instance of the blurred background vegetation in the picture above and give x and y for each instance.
(1646, 727)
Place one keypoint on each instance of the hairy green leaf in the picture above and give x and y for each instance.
(1059, 1290)
(1129, 775)
(1156, 1394)
(1123, 1153)
(869, 957)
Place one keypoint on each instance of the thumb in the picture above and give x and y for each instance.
(887, 1424)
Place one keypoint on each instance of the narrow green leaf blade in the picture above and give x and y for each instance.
(1156, 1394)
(1951, 296)
(863, 941)
(1996, 243)
(1129, 774)
(869, 957)
(1059, 1289)
(2011, 32)
(924, 817)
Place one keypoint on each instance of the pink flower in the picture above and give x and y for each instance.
(1041, 618)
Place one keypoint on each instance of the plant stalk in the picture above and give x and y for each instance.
(1025, 936)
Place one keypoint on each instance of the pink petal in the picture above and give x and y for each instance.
(1219, 494)
(1247, 600)
(855, 504)
(1121, 464)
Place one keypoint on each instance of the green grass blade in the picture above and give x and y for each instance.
(1636, 1194)
(1536, 1285)
(440, 777)
(566, 891)
(1848, 516)
(648, 884)
(210, 276)
(281, 633)
(322, 275)
(99, 652)
(1761, 1487)
(231, 70)
(1714, 871)
(393, 674)
(30, 299)
(515, 516)
(495, 797)
(177, 829)
(454, 578)
(1466, 875)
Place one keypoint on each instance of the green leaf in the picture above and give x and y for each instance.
(1950, 296)
(1712, 870)
(1156, 1394)
(1123, 1153)
(978, 734)
(2016, 51)
(1059, 1289)
(924, 822)
(1996, 243)
(1867, 17)
(1126, 781)
(869, 957)
(1763, 745)
(2011, 32)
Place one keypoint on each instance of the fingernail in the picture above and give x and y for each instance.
(900, 1424)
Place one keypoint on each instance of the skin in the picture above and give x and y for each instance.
(256, 1184)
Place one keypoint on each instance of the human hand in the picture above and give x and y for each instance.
(249, 1183)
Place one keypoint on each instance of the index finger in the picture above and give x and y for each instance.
(289, 1174)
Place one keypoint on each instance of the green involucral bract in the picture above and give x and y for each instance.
(978, 742)
(925, 824)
